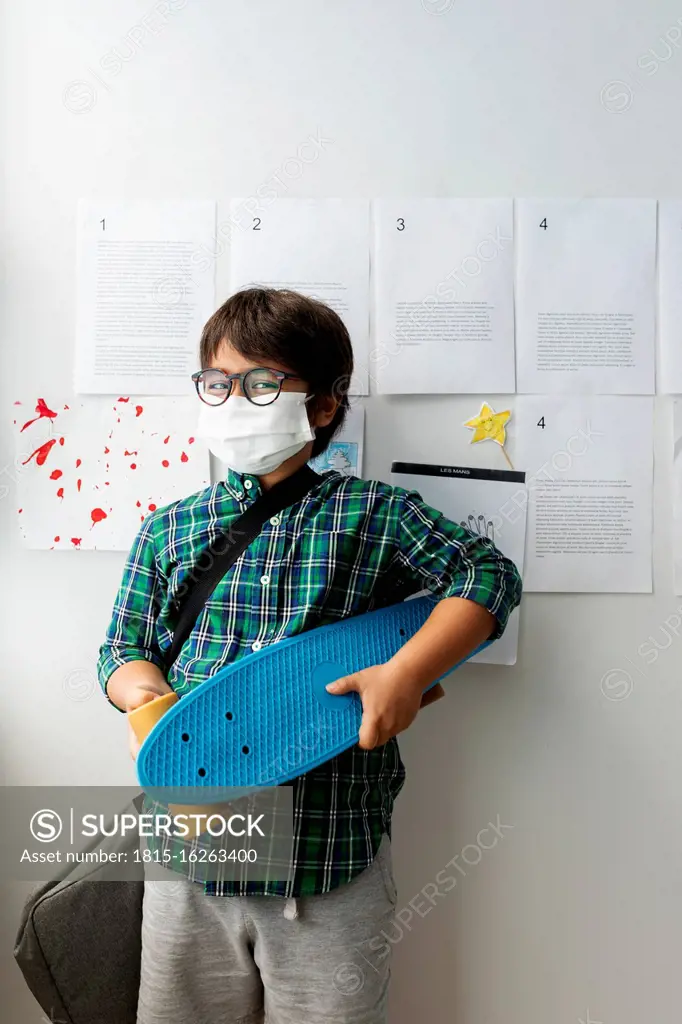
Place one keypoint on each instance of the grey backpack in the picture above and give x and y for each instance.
(79, 945)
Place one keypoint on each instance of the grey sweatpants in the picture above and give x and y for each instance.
(253, 959)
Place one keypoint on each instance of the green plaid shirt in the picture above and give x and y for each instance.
(315, 563)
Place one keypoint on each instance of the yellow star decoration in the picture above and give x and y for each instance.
(489, 425)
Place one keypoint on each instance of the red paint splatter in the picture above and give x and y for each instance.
(124, 399)
(61, 440)
(166, 439)
(60, 492)
(17, 403)
(78, 462)
(118, 420)
(165, 463)
(41, 453)
(184, 457)
(78, 485)
(152, 507)
(138, 410)
(133, 465)
(43, 411)
(97, 515)
(106, 483)
(191, 441)
(20, 510)
(55, 474)
(66, 406)
(126, 452)
(76, 541)
(106, 451)
(139, 504)
(56, 540)
(141, 519)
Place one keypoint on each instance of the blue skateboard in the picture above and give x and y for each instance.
(267, 718)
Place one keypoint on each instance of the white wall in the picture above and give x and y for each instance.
(577, 907)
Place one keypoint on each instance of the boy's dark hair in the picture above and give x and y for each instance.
(285, 327)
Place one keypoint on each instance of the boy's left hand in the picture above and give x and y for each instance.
(390, 701)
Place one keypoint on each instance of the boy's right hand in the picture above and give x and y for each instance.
(139, 695)
(132, 685)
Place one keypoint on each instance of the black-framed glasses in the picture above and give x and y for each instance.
(261, 385)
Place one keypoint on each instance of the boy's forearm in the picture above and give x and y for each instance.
(126, 682)
(454, 629)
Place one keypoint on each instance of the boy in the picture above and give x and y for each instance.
(275, 367)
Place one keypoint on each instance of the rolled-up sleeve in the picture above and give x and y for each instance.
(450, 561)
(132, 634)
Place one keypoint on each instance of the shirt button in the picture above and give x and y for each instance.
(265, 580)
(239, 495)
(248, 484)
(256, 645)
(275, 520)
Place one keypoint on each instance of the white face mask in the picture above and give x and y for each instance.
(256, 438)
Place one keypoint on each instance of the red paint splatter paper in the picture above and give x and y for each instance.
(89, 472)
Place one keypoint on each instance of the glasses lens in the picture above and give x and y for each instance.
(261, 386)
(213, 387)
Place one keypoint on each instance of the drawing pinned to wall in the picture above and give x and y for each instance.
(490, 426)
(92, 470)
(344, 453)
(491, 503)
(343, 458)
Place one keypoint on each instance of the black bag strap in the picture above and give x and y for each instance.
(224, 551)
(393, 588)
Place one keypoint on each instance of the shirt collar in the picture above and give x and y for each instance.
(237, 487)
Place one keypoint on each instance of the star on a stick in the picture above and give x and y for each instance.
(489, 425)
